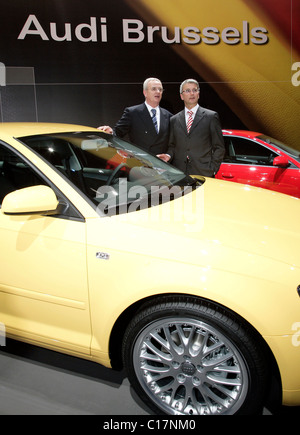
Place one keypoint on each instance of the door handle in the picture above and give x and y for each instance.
(227, 175)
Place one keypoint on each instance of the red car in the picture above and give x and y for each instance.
(259, 160)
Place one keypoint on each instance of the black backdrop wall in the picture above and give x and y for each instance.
(82, 62)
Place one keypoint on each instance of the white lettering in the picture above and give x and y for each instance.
(67, 36)
(84, 32)
(296, 336)
(192, 35)
(211, 35)
(92, 30)
(165, 38)
(38, 30)
(260, 36)
(103, 29)
(139, 194)
(164, 424)
(127, 30)
(150, 32)
(126, 200)
(134, 31)
(231, 36)
(296, 75)
(120, 425)
(2, 334)
(245, 32)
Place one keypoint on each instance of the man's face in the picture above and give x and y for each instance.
(190, 94)
(153, 93)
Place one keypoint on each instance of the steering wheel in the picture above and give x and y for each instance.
(114, 173)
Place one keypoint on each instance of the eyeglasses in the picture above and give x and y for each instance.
(189, 91)
(156, 89)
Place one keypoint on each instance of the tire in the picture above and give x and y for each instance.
(194, 358)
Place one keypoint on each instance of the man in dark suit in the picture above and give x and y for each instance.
(196, 142)
(146, 129)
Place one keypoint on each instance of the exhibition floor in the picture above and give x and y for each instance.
(35, 381)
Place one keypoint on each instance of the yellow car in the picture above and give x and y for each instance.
(112, 255)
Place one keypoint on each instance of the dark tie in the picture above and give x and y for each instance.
(154, 119)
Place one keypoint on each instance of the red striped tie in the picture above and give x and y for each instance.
(190, 121)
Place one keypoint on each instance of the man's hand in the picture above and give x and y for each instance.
(164, 157)
(106, 129)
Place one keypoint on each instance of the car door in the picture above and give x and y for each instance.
(250, 162)
(43, 280)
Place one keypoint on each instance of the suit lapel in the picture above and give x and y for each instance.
(181, 118)
(163, 122)
(198, 116)
(145, 115)
(146, 118)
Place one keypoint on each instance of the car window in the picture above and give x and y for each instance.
(15, 173)
(111, 172)
(241, 150)
(289, 150)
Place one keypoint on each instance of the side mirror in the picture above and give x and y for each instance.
(35, 199)
(281, 161)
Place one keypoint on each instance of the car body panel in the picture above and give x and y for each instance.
(206, 258)
(244, 168)
(65, 282)
(32, 296)
(286, 351)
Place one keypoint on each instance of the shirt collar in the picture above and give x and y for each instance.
(194, 109)
(150, 108)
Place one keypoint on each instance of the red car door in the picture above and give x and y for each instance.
(248, 161)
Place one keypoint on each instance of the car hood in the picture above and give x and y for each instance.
(230, 221)
(253, 220)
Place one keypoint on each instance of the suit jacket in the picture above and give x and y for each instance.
(137, 124)
(201, 151)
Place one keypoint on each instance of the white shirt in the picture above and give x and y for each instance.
(157, 113)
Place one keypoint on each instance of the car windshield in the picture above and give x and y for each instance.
(111, 172)
(289, 150)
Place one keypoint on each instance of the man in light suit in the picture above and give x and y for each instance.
(144, 128)
(196, 142)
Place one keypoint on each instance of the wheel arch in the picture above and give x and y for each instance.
(274, 394)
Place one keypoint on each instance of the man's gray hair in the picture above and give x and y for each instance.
(189, 81)
(150, 79)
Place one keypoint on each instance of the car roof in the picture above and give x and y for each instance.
(244, 133)
(19, 129)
